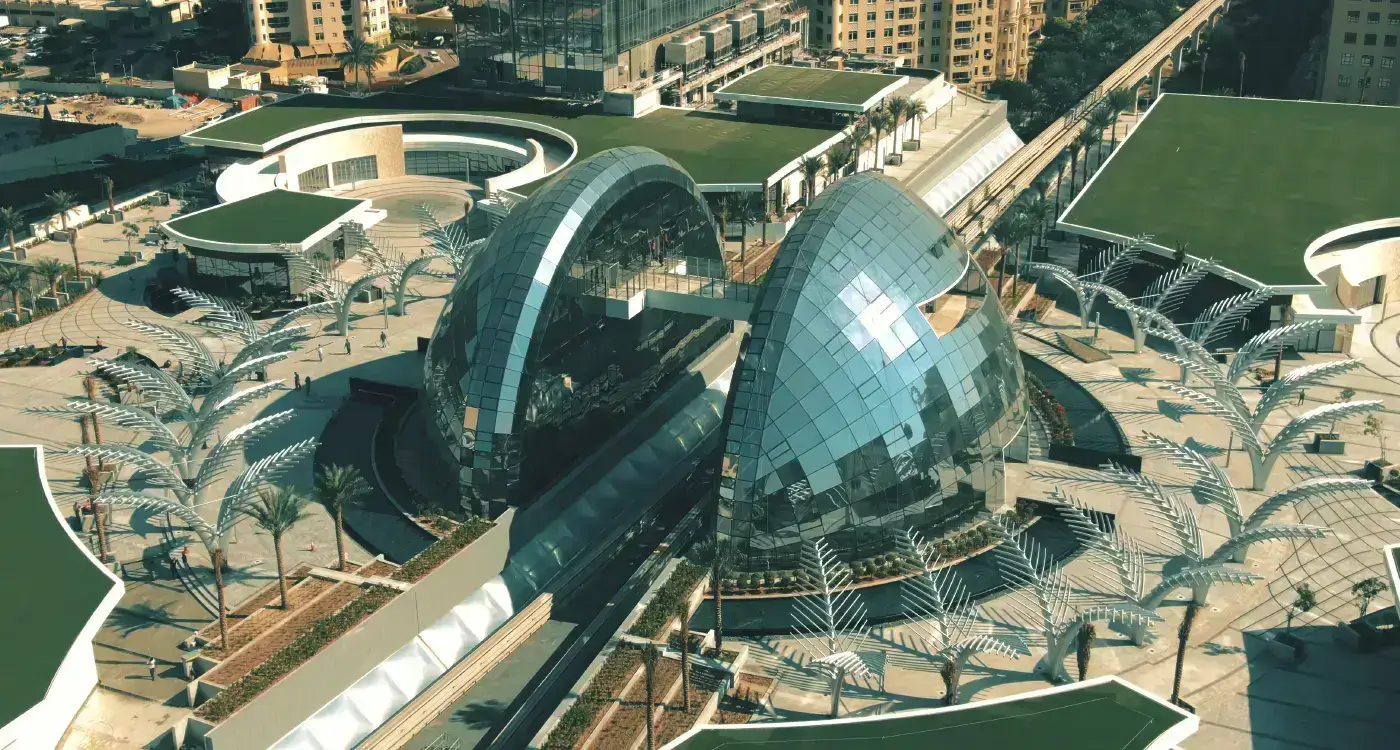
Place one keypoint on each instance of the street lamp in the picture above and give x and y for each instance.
(1286, 316)
(1362, 83)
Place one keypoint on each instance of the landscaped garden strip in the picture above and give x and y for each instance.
(438, 552)
(629, 720)
(243, 632)
(603, 689)
(662, 606)
(284, 662)
(1051, 412)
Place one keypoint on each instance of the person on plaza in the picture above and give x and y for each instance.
(296, 380)
(1302, 395)
(174, 571)
(347, 346)
(319, 356)
(308, 385)
(151, 665)
(383, 340)
(185, 556)
(63, 341)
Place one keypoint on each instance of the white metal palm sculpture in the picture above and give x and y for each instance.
(448, 242)
(1163, 296)
(1040, 590)
(1227, 402)
(941, 611)
(1224, 316)
(226, 320)
(829, 620)
(1213, 486)
(1107, 268)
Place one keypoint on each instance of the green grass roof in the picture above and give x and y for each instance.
(1249, 182)
(1098, 716)
(270, 218)
(714, 149)
(811, 84)
(50, 587)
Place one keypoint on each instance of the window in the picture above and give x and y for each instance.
(906, 13)
(906, 29)
(1387, 62)
(1349, 37)
(961, 60)
(962, 43)
(934, 58)
(906, 46)
(870, 16)
(869, 50)
(852, 35)
(320, 37)
(887, 50)
(1367, 61)
(889, 15)
(963, 9)
(1383, 83)
(315, 6)
(921, 59)
(937, 7)
(1373, 18)
(1393, 19)
(1346, 58)
(1390, 40)
(962, 27)
(938, 41)
(1353, 16)
(347, 20)
(853, 17)
(1369, 40)
(869, 33)
(888, 32)
(318, 21)
(1343, 80)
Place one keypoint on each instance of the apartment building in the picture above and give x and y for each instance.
(1069, 9)
(96, 13)
(319, 22)
(1358, 63)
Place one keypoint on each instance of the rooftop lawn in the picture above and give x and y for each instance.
(1249, 182)
(49, 586)
(811, 84)
(274, 217)
(1102, 716)
(712, 148)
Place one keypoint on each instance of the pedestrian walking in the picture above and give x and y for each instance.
(185, 556)
(151, 665)
(63, 341)
(383, 340)
(319, 356)
(296, 380)
(1301, 396)
(308, 385)
(174, 571)
(347, 346)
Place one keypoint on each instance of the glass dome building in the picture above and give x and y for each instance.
(877, 389)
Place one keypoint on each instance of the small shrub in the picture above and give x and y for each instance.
(427, 561)
(662, 607)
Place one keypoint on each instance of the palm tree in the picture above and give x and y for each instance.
(1084, 141)
(915, 111)
(683, 615)
(724, 210)
(951, 672)
(336, 487)
(363, 56)
(50, 270)
(1037, 210)
(859, 140)
(898, 108)
(61, 202)
(880, 122)
(1183, 635)
(837, 157)
(94, 477)
(1100, 120)
(1059, 165)
(649, 658)
(1116, 101)
(748, 212)
(107, 187)
(1366, 590)
(720, 567)
(1307, 599)
(276, 510)
(130, 231)
(15, 282)
(11, 221)
(1084, 647)
(1010, 230)
(811, 168)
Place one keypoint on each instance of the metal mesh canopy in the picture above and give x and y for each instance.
(878, 387)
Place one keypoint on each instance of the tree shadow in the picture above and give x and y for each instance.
(140, 616)
(480, 715)
(1211, 648)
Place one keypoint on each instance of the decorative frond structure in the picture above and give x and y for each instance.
(1118, 551)
(1293, 432)
(1224, 316)
(1306, 490)
(1105, 270)
(1266, 344)
(1169, 517)
(1211, 483)
(830, 620)
(1272, 532)
(1197, 578)
(1292, 383)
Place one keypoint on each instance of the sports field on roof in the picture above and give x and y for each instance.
(811, 84)
(1249, 182)
(270, 218)
(714, 149)
(49, 586)
(1105, 716)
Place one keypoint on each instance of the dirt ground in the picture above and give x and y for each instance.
(149, 122)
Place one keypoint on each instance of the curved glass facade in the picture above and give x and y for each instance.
(876, 390)
(525, 372)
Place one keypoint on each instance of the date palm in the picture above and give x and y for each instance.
(336, 487)
(811, 168)
(898, 108)
(720, 567)
(1084, 648)
(915, 112)
(15, 282)
(859, 141)
(1183, 635)
(649, 658)
(881, 123)
(1116, 102)
(50, 270)
(61, 202)
(11, 221)
(683, 616)
(107, 187)
(363, 56)
(276, 510)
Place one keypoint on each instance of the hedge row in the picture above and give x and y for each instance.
(602, 689)
(296, 653)
(663, 606)
(436, 554)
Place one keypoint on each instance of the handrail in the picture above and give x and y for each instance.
(1032, 158)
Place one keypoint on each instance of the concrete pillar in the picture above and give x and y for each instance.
(1157, 76)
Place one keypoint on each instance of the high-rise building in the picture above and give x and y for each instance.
(311, 22)
(1069, 9)
(586, 47)
(1358, 63)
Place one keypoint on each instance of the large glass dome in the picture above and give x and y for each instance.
(877, 388)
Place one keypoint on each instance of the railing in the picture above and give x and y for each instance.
(700, 277)
(1034, 157)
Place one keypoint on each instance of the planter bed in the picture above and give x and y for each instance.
(438, 552)
(628, 722)
(662, 608)
(245, 631)
(735, 708)
(267, 596)
(676, 721)
(248, 659)
(602, 690)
